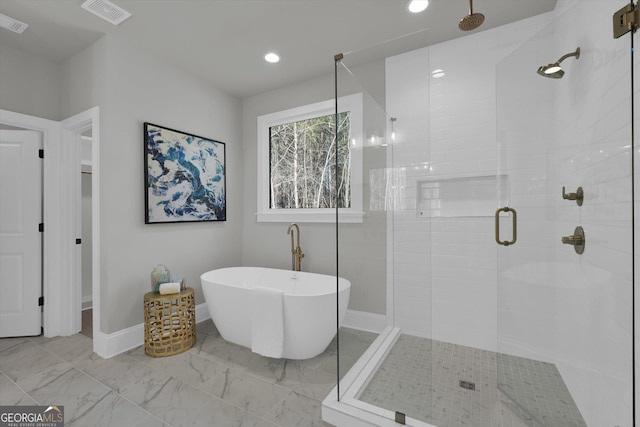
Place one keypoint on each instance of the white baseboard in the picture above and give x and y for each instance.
(124, 340)
(202, 312)
(365, 321)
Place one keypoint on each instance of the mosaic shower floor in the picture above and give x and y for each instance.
(421, 378)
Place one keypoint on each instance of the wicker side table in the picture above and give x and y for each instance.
(169, 323)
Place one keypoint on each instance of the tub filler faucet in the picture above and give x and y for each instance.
(296, 252)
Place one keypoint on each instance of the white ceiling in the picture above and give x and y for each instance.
(224, 41)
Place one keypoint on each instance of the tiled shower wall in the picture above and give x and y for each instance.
(574, 311)
(491, 116)
(444, 251)
(592, 343)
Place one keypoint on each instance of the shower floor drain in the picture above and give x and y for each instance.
(467, 385)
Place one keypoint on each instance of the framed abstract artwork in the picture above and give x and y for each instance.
(184, 177)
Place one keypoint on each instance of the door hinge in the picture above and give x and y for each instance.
(625, 20)
(41, 227)
(41, 301)
(41, 153)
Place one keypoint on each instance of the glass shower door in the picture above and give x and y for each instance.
(564, 311)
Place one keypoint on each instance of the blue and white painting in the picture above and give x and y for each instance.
(185, 177)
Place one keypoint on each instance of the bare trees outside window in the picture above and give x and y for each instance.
(302, 157)
(298, 179)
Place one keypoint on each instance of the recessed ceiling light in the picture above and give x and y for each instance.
(416, 6)
(271, 57)
(11, 24)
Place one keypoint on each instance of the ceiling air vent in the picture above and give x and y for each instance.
(106, 10)
(12, 24)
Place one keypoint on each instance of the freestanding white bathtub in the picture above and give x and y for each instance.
(309, 306)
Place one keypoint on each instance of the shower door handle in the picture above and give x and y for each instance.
(515, 226)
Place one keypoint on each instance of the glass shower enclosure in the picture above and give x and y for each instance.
(498, 235)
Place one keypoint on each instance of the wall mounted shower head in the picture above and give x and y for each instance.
(472, 20)
(555, 71)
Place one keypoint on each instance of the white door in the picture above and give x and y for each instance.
(20, 238)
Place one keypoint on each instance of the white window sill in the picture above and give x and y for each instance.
(302, 217)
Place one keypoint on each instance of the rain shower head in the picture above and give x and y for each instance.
(472, 20)
(555, 71)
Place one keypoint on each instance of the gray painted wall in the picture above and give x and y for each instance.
(144, 89)
(362, 246)
(30, 85)
(132, 87)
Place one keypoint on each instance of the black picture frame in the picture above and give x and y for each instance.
(184, 176)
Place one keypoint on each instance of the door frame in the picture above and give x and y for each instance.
(61, 287)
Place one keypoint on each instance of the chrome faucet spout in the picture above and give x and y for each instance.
(296, 251)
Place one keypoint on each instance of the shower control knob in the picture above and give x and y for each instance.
(572, 240)
(577, 240)
(578, 196)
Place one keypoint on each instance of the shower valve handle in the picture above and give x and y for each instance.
(572, 240)
(577, 240)
(578, 196)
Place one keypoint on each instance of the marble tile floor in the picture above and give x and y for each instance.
(215, 383)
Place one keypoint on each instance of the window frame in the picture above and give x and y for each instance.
(355, 213)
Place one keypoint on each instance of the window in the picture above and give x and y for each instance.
(302, 163)
(296, 163)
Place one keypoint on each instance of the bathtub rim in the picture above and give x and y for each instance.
(343, 283)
